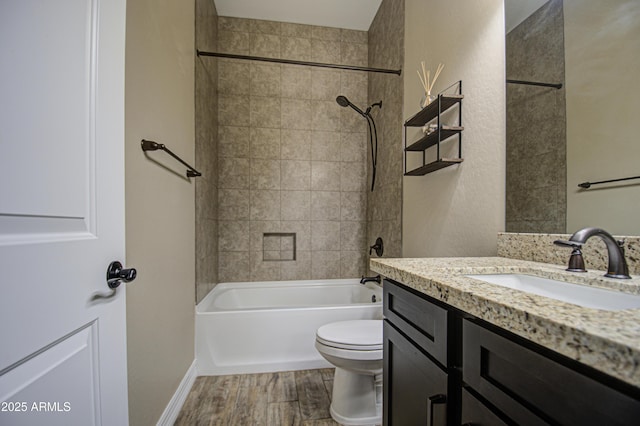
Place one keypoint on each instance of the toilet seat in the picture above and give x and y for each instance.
(355, 335)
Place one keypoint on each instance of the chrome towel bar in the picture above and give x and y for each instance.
(154, 146)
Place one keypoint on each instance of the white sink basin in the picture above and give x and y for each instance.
(582, 295)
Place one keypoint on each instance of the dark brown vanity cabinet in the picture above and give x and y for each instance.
(443, 366)
(416, 376)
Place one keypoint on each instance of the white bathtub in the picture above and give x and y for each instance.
(270, 326)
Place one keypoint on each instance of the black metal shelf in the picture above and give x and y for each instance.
(431, 112)
(432, 167)
(432, 138)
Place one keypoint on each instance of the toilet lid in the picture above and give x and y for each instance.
(364, 335)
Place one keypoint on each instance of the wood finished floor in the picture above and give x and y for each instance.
(299, 398)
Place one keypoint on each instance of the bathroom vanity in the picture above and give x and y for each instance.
(462, 351)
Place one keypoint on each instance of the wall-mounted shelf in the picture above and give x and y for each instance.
(442, 132)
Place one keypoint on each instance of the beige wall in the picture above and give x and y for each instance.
(603, 101)
(159, 203)
(458, 211)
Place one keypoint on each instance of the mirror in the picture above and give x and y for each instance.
(586, 131)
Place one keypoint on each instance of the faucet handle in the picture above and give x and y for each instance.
(576, 262)
(568, 243)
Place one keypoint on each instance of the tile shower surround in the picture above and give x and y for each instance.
(206, 145)
(290, 159)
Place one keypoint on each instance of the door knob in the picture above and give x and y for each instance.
(116, 274)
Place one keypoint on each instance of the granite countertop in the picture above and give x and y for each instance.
(609, 341)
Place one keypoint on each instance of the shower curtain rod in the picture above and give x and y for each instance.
(294, 62)
(535, 83)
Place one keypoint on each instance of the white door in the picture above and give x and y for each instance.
(62, 330)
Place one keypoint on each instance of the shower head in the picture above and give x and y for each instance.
(344, 102)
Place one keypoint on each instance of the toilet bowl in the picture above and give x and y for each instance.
(355, 349)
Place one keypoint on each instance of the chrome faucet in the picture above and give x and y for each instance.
(375, 279)
(617, 263)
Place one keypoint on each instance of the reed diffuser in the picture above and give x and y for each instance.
(427, 83)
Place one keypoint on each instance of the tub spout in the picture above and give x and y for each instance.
(367, 279)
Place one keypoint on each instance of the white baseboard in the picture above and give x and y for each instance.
(172, 410)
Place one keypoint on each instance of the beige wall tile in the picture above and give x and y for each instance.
(325, 176)
(326, 33)
(295, 205)
(300, 269)
(325, 146)
(264, 78)
(265, 143)
(264, 205)
(354, 54)
(353, 85)
(296, 48)
(228, 81)
(353, 176)
(233, 266)
(325, 84)
(325, 264)
(353, 235)
(302, 229)
(296, 144)
(325, 205)
(263, 270)
(353, 206)
(264, 45)
(233, 235)
(226, 23)
(233, 42)
(296, 114)
(325, 235)
(257, 229)
(325, 51)
(296, 174)
(326, 115)
(295, 30)
(233, 141)
(352, 264)
(354, 36)
(296, 82)
(264, 174)
(233, 110)
(233, 204)
(264, 112)
(264, 27)
(354, 147)
(233, 173)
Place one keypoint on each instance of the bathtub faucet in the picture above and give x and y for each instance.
(366, 279)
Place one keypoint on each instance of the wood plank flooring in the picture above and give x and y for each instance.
(296, 398)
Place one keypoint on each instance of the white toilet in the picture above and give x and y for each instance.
(355, 349)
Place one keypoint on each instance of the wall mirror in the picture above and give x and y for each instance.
(585, 131)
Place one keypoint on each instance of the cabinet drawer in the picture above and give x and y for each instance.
(423, 321)
(533, 389)
(476, 413)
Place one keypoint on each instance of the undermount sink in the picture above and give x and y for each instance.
(582, 295)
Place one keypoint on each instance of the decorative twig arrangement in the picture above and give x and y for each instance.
(427, 83)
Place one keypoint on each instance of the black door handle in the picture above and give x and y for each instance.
(116, 274)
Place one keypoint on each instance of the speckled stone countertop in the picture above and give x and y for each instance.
(606, 340)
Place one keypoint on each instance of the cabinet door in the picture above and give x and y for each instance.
(415, 388)
(532, 389)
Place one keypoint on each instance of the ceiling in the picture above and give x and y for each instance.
(350, 14)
